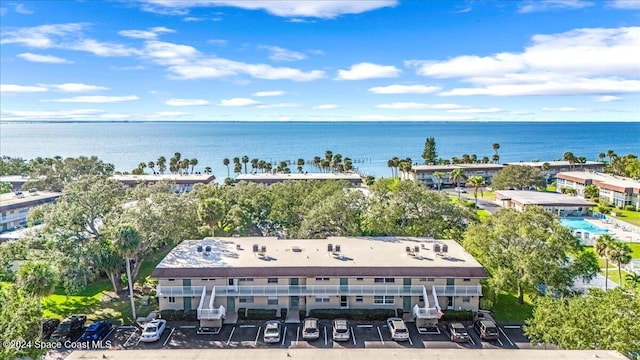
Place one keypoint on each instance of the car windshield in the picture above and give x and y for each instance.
(150, 329)
(461, 331)
(491, 329)
(342, 330)
(271, 331)
(64, 327)
(89, 332)
(401, 330)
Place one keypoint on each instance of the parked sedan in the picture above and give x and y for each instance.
(398, 329)
(153, 330)
(340, 330)
(272, 331)
(310, 329)
(48, 327)
(458, 332)
(96, 331)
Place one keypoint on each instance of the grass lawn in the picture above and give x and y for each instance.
(483, 214)
(98, 301)
(635, 250)
(507, 309)
(631, 217)
(487, 195)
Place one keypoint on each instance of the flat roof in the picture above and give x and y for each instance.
(14, 178)
(180, 179)
(358, 256)
(527, 197)
(347, 354)
(602, 179)
(11, 201)
(555, 163)
(425, 168)
(299, 176)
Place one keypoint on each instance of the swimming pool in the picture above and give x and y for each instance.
(580, 224)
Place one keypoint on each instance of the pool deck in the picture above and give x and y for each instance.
(617, 229)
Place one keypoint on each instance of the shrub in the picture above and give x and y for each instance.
(457, 315)
(630, 208)
(353, 314)
(167, 314)
(242, 314)
(283, 314)
(191, 315)
(178, 315)
(302, 314)
(261, 314)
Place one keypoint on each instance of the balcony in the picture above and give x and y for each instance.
(458, 290)
(179, 291)
(320, 290)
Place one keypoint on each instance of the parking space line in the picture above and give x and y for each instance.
(473, 342)
(410, 342)
(325, 335)
(168, 337)
(380, 333)
(512, 326)
(297, 334)
(230, 335)
(353, 336)
(365, 325)
(505, 335)
(130, 336)
(109, 333)
(284, 336)
(257, 336)
(501, 344)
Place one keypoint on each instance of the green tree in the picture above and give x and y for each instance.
(127, 241)
(20, 320)
(162, 164)
(602, 246)
(476, 182)
(337, 215)
(207, 170)
(55, 173)
(524, 249)
(37, 279)
(439, 176)
(496, 156)
(570, 157)
(457, 176)
(5, 187)
(591, 192)
(245, 160)
(193, 162)
(598, 320)
(225, 161)
(300, 165)
(518, 177)
(620, 253)
(633, 280)
(429, 154)
(211, 212)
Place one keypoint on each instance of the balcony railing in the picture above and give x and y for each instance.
(458, 290)
(319, 290)
(179, 291)
(211, 314)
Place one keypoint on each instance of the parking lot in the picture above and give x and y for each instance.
(247, 335)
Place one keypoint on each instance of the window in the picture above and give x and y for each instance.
(172, 299)
(272, 280)
(272, 301)
(359, 279)
(246, 280)
(246, 299)
(208, 279)
(378, 280)
(423, 279)
(431, 279)
(421, 298)
(384, 280)
(320, 299)
(322, 279)
(389, 280)
(466, 279)
(359, 299)
(386, 300)
(466, 299)
(172, 280)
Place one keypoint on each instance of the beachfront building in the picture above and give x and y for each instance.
(550, 169)
(426, 173)
(184, 183)
(217, 276)
(269, 179)
(560, 204)
(16, 181)
(15, 207)
(615, 190)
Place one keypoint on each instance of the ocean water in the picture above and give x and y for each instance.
(370, 144)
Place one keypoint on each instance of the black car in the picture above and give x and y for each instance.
(96, 331)
(48, 327)
(69, 327)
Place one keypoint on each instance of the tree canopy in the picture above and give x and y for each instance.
(518, 177)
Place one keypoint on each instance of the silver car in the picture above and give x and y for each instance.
(340, 330)
(398, 329)
(272, 331)
(310, 329)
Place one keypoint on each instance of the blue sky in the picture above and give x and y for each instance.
(381, 60)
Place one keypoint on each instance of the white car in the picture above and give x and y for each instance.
(153, 330)
(340, 330)
(272, 331)
(461, 190)
(398, 329)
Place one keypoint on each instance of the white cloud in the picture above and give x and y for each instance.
(103, 49)
(625, 4)
(150, 34)
(367, 70)
(469, 65)
(571, 87)
(476, 110)
(22, 9)
(166, 115)
(326, 107)
(404, 106)
(269, 93)
(74, 114)
(404, 89)
(76, 87)
(96, 99)
(453, 108)
(564, 109)
(608, 98)
(187, 102)
(547, 5)
(300, 8)
(44, 58)
(377, 117)
(281, 54)
(43, 36)
(279, 105)
(218, 42)
(13, 88)
(238, 102)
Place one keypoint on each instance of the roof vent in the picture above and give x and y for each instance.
(255, 248)
(263, 249)
(436, 248)
(337, 250)
(208, 248)
(296, 249)
(416, 249)
(330, 248)
(445, 248)
(199, 248)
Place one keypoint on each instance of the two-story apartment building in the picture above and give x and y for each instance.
(269, 179)
(616, 190)
(552, 168)
(14, 207)
(183, 183)
(219, 275)
(427, 173)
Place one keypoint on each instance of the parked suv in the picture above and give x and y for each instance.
(310, 329)
(458, 332)
(96, 331)
(398, 329)
(69, 327)
(340, 330)
(486, 329)
(48, 327)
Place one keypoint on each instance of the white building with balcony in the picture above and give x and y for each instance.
(615, 190)
(219, 275)
(14, 207)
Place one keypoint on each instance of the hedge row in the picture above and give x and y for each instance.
(353, 314)
(261, 314)
(457, 315)
(179, 315)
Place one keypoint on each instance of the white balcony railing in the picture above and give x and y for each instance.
(179, 291)
(319, 290)
(458, 290)
(212, 314)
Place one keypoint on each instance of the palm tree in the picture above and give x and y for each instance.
(611, 154)
(193, 162)
(162, 164)
(207, 170)
(142, 166)
(184, 165)
(348, 164)
(225, 161)
(211, 212)
(568, 156)
(245, 160)
(633, 280)
(254, 164)
(620, 253)
(300, 164)
(476, 181)
(37, 279)
(151, 165)
(439, 175)
(391, 165)
(127, 241)
(602, 246)
(601, 156)
(496, 156)
(457, 175)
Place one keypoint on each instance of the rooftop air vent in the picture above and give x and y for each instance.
(445, 248)
(329, 247)
(208, 248)
(263, 249)
(436, 248)
(337, 249)
(296, 249)
(199, 248)
(416, 249)
(255, 248)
